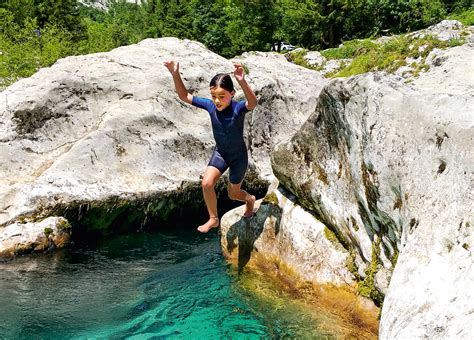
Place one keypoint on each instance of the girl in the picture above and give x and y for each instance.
(227, 118)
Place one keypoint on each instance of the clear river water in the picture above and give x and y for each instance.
(171, 284)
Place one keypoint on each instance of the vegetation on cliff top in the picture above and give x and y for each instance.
(367, 55)
(35, 33)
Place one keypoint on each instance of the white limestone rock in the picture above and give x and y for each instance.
(287, 95)
(285, 231)
(383, 160)
(19, 238)
(109, 126)
(314, 58)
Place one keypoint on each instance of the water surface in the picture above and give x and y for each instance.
(172, 284)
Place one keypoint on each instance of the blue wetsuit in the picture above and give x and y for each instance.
(228, 129)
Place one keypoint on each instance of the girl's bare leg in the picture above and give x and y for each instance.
(209, 180)
(235, 193)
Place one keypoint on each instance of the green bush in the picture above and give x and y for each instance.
(466, 17)
(350, 49)
(25, 50)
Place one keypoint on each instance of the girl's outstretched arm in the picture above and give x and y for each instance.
(249, 95)
(183, 94)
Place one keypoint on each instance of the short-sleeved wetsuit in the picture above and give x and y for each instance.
(228, 129)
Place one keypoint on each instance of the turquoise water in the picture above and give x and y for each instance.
(145, 285)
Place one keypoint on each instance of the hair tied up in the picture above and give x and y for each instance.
(222, 80)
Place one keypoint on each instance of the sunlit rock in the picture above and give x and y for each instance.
(283, 230)
(105, 134)
(25, 238)
(388, 167)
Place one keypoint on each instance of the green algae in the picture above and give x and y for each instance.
(270, 198)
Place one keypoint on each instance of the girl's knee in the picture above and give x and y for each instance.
(207, 184)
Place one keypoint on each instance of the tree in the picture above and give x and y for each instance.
(62, 13)
(21, 9)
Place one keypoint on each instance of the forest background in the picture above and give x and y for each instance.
(36, 33)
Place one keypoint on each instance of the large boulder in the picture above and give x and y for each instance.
(388, 167)
(107, 129)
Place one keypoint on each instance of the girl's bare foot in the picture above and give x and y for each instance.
(249, 206)
(212, 223)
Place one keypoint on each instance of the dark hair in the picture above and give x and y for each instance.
(222, 80)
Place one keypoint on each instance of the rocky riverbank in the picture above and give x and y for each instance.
(375, 171)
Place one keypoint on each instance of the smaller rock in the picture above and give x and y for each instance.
(284, 231)
(445, 30)
(315, 58)
(335, 65)
(436, 57)
(20, 238)
(382, 279)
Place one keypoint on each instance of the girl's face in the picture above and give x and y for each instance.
(221, 97)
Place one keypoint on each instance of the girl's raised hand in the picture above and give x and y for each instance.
(172, 66)
(239, 72)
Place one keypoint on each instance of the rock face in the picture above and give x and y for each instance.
(287, 96)
(24, 238)
(284, 231)
(108, 128)
(389, 168)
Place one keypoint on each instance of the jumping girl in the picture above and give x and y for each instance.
(227, 118)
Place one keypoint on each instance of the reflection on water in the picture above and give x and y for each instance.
(173, 284)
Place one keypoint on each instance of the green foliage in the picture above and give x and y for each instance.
(351, 265)
(48, 231)
(466, 17)
(331, 237)
(298, 57)
(24, 51)
(34, 33)
(350, 49)
(63, 14)
(270, 198)
(369, 56)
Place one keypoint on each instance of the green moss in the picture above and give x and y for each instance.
(270, 198)
(331, 237)
(368, 56)
(63, 225)
(394, 258)
(351, 265)
(453, 42)
(298, 57)
(47, 232)
(22, 219)
(367, 286)
(349, 49)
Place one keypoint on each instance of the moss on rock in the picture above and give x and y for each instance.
(367, 286)
(271, 198)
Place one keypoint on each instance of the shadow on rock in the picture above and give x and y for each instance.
(243, 234)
